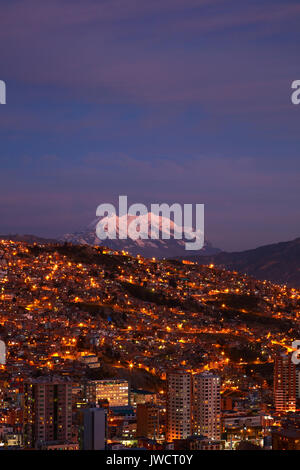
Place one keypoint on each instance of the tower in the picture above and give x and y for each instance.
(47, 411)
(94, 428)
(179, 405)
(284, 383)
(207, 405)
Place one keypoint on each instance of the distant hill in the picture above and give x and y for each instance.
(27, 238)
(279, 262)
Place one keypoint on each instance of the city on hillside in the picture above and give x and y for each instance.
(104, 350)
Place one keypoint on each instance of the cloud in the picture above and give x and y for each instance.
(145, 51)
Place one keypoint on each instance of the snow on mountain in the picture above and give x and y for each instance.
(145, 246)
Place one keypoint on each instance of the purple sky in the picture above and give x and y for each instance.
(163, 100)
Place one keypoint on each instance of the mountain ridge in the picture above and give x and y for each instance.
(276, 262)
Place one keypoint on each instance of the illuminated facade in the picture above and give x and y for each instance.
(47, 411)
(284, 383)
(147, 420)
(179, 405)
(116, 391)
(207, 405)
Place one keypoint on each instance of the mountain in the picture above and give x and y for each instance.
(158, 248)
(279, 262)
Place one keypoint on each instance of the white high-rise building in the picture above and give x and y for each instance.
(207, 405)
(284, 383)
(179, 405)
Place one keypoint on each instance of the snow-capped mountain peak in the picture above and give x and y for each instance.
(158, 237)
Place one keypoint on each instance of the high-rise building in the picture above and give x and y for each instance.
(207, 405)
(47, 411)
(147, 415)
(116, 391)
(297, 383)
(284, 383)
(94, 428)
(179, 405)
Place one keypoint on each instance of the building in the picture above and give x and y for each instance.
(141, 396)
(286, 439)
(232, 420)
(58, 446)
(12, 439)
(226, 403)
(207, 405)
(91, 361)
(47, 411)
(147, 421)
(197, 443)
(239, 427)
(116, 391)
(284, 383)
(179, 405)
(298, 383)
(149, 444)
(94, 428)
(122, 423)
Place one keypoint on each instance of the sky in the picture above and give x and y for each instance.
(183, 101)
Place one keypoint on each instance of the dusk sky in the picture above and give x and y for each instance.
(163, 100)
